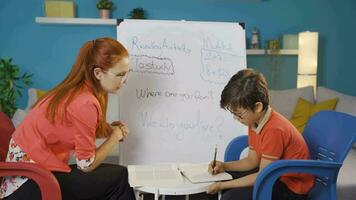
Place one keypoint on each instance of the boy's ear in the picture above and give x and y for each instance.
(258, 107)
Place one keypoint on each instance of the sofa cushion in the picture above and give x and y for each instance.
(33, 95)
(284, 101)
(18, 117)
(304, 110)
(346, 103)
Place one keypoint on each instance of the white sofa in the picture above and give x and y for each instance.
(284, 101)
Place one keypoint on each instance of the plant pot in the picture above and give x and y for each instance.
(104, 13)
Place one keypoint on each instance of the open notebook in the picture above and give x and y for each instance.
(198, 173)
(171, 174)
(154, 175)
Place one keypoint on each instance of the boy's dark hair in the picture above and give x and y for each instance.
(244, 90)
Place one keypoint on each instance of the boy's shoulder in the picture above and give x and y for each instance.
(277, 121)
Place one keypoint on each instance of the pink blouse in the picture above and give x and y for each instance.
(50, 145)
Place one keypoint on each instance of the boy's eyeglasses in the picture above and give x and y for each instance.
(239, 115)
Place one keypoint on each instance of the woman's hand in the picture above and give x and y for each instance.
(116, 130)
(219, 167)
(123, 127)
(215, 188)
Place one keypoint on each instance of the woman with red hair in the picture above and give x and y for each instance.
(66, 121)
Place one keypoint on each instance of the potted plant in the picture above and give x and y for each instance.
(105, 6)
(138, 13)
(11, 83)
(273, 45)
(273, 48)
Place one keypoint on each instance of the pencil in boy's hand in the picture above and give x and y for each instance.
(214, 161)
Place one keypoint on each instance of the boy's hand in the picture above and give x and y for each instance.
(219, 167)
(215, 188)
(123, 127)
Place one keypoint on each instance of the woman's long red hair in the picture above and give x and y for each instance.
(103, 53)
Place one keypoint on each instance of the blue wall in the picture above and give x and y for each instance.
(48, 51)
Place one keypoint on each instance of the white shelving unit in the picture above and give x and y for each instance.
(76, 21)
(113, 22)
(264, 52)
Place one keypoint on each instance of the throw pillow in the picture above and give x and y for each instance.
(40, 93)
(33, 95)
(284, 101)
(304, 110)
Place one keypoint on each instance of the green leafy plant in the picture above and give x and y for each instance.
(138, 13)
(274, 48)
(105, 4)
(273, 45)
(11, 84)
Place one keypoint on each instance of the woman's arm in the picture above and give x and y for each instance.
(105, 148)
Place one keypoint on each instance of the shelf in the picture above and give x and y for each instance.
(76, 21)
(113, 22)
(263, 52)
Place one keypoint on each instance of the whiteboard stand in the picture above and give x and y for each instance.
(179, 69)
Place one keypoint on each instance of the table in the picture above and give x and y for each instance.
(160, 187)
(186, 188)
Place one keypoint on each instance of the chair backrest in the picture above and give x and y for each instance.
(6, 130)
(235, 148)
(329, 136)
(46, 181)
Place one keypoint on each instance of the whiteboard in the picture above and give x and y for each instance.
(171, 101)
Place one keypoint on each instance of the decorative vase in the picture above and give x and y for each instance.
(104, 13)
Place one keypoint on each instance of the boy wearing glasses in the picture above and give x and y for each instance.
(271, 137)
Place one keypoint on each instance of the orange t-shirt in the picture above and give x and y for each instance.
(280, 139)
(50, 145)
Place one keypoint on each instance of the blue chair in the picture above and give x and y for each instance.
(329, 136)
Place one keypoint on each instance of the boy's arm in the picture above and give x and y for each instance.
(248, 180)
(245, 164)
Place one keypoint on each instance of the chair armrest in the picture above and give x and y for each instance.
(46, 181)
(266, 178)
(235, 147)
